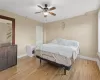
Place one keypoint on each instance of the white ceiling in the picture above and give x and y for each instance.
(65, 8)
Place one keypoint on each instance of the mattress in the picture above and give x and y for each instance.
(58, 53)
(55, 58)
(67, 51)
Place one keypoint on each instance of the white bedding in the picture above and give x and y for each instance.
(60, 51)
(67, 51)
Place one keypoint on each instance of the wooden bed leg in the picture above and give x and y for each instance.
(64, 71)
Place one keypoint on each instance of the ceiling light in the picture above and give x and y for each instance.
(45, 13)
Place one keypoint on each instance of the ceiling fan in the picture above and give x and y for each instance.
(46, 10)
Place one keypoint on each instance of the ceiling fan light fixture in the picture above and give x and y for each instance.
(46, 13)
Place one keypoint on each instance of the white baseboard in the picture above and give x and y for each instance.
(92, 59)
(98, 60)
(98, 63)
(22, 56)
(87, 58)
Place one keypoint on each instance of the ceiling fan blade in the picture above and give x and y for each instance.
(37, 12)
(53, 8)
(40, 7)
(52, 13)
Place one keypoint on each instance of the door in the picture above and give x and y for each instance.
(39, 36)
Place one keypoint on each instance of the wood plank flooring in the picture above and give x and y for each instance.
(29, 69)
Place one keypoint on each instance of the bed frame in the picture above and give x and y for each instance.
(60, 65)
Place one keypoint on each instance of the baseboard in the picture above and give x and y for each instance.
(22, 56)
(87, 58)
(98, 64)
(92, 59)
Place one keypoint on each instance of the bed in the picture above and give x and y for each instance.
(60, 51)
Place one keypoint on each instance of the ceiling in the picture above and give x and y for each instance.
(65, 8)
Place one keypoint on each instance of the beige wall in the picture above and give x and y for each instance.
(82, 28)
(25, 31)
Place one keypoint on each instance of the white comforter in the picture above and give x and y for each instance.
(67, 51)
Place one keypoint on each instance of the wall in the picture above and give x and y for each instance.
(25, 31)
(81, 28)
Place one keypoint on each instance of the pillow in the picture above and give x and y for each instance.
(60, 41)
(71, 43)
(54, 41)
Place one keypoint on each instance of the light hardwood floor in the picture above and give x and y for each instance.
(29, 69)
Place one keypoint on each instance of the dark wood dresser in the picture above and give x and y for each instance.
(8, 56)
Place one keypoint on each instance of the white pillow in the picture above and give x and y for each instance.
(54, 41)
(60, 41)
